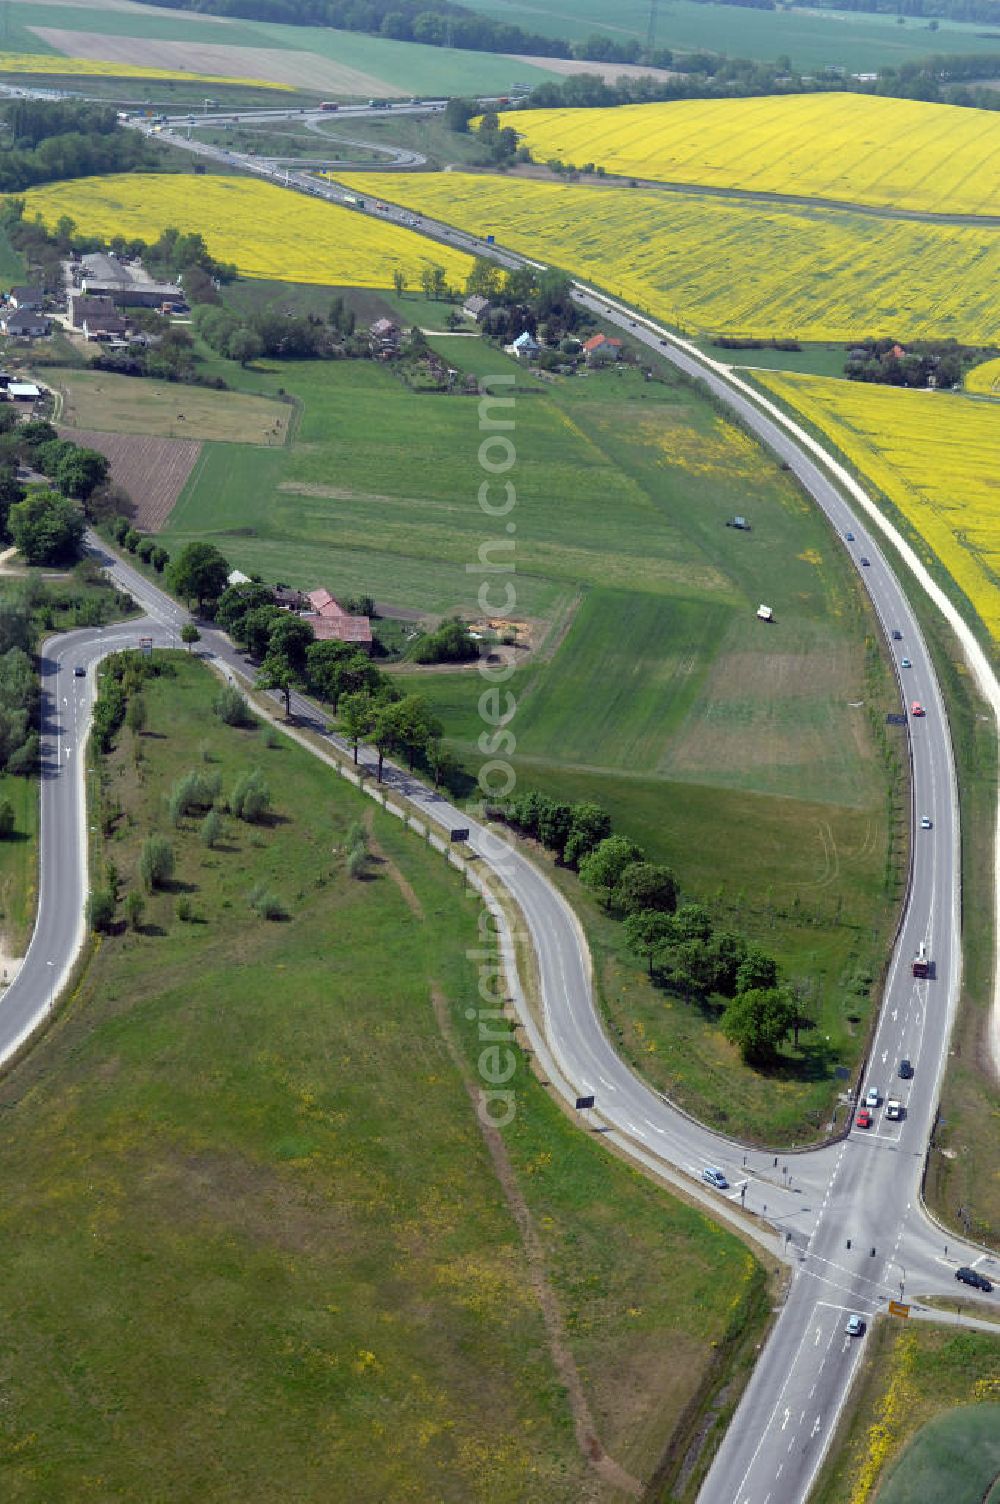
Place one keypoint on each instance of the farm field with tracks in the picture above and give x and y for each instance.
(853, 148)
(716, 266)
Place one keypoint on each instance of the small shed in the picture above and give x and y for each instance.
(764, 613)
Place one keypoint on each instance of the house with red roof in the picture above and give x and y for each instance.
(600, 348)
(331, 623)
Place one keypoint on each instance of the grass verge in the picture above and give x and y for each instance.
(251, 1204)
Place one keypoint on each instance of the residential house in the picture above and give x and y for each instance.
(29, 299)
(24, 325)
(600, 348)
(477, 307)
(23, 391)
(289, 599)
(525, 347)
(237, 577)
(384, 338)
(331, 623)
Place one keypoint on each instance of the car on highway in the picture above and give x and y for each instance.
(864, 1118)
(855, 1326)
(925, 822)
(897, 635)
(905, 1070)
(866, 563)
(905, 663)
(973, 1277)
(894, 1110)
(873, 1097)
(849, 537)
(917, 709)
(80, 671)
(715, 1177)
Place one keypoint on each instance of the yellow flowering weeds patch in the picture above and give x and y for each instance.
(264, 229)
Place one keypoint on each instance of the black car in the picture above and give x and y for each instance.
(866, 563)
(897, 635)
(974, 1278)
(80, 671)
(905, 1070)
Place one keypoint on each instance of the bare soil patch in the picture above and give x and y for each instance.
(607, 71)
(153, 471)
(301, 70)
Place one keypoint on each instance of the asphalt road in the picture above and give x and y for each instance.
(849, 1214)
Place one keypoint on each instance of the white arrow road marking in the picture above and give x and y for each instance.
(784, 1423)
(816, 1425)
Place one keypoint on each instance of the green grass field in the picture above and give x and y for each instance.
(250, 1204)
(12, 264)
(852, 40)
(18, 864)
(921, 1422)
(722, 744)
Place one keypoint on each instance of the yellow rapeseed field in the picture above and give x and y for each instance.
(853, 148)
(935, 455)
(984, 379)
(721, 267)
(265, 230)
(64, 67)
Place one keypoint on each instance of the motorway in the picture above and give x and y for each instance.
(848, 1216)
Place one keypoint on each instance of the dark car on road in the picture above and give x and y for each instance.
(80, 671)
(973, 1277)
(905, 1070)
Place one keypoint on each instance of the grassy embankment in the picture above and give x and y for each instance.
(250, 1204)
(912, 1376)
(736, 752)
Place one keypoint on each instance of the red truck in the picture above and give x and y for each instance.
(329, 106)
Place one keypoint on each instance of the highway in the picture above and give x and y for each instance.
(848, 1216)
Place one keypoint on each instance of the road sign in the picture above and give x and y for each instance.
(897, 1308)
(582, 1102)
(460, 835)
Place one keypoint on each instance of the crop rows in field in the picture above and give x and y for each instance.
(724, 267)
(936, 457)
(264, 229)
(153, 471)
(852, 148)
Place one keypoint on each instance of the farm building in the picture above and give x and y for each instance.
(600, 348)
(331, 623)
(477, 307)
(23, 391)
(128, 286)
(97, 318)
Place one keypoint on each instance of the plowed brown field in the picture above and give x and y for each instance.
(152, 471)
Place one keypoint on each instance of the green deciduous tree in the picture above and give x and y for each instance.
(46, 527)
(602, 869)
(199, 573)
(757, 1021)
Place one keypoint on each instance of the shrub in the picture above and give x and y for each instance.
(231, 707)
(135, 907)
(101, 910)
(184, 910)
(357, 863)
(267, 904)
(7, 820)
(251, 798)
(156, 862)
(211, 828)
(195, 791)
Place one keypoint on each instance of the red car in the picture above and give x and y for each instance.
(916, 708)
(864, 1118)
